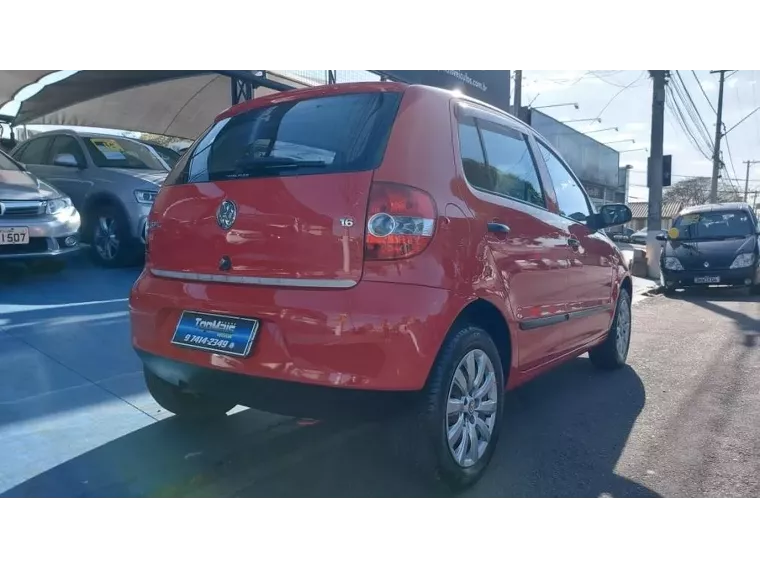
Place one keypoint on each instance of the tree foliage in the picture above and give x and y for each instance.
(696, 191)
(160, 139)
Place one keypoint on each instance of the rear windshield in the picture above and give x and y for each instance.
(123, 153)
(334, 134)
(714, 225)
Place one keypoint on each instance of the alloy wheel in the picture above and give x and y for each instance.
(106, 240)
(623, 330)
(471, 408)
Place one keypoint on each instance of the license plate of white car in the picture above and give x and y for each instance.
(707, 280)
(14, 236)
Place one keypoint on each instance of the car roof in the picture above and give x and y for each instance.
(375, 87)
(71, 132)
(714, 207)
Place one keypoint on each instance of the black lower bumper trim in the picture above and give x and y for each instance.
(279, 397)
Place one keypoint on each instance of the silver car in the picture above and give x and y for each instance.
(37, 222)
(112, 181)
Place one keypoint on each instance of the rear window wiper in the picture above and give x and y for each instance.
(272, 162)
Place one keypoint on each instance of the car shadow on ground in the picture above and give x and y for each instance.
(714, 299)
(79, 281)
(561, 437)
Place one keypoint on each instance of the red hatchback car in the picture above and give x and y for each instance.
(324, 247)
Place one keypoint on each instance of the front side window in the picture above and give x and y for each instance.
(570, 197)
(66, 145)
(109, 152)
(333, 134)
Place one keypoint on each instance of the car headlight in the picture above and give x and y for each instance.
(672, 263)
(743, 260)
(145, 196)
(55, 206)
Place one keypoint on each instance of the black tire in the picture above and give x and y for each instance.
(669, 291)
(184, 404)
(423, 433)
(607, 355)
(126, 252)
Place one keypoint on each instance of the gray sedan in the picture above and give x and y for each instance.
(112, 181)
(37, 222)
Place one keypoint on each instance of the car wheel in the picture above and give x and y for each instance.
(613, 352)
(111, 243)
(182, 403)
(453, 431)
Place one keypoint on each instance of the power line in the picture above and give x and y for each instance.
(692, 108)
(675, 110)
(622, 90)
(709, 102)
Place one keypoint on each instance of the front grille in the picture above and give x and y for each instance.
(21, 209)
(36, 244)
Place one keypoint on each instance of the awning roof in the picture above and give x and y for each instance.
(11, 82)
(175, 103)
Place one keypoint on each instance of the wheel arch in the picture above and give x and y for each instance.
(91, 204)
(486, 315)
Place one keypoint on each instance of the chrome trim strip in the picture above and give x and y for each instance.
(230, 279)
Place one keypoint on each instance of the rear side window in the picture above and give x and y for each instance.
(334, 134)
(34, 151)
(499, 160)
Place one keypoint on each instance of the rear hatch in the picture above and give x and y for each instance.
(275, 195)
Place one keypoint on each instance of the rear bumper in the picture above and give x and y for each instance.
(728, 277)
(373, 337)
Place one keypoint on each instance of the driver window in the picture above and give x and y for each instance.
(66, 145)
(570, 197)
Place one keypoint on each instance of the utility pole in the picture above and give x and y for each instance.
(746, 181)
(718, 136)
(654, 216)
(518, 94)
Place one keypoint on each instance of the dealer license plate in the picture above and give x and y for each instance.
(707, 280)
(218, 334)
(14, 236)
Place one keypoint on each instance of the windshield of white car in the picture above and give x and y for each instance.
(713, 225)
(123, 153)
(7, 164)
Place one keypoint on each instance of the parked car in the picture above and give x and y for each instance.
(321, 249)
(639, 237)
(620, 234)
(38, 223)
(111, 180)
(167, 154)
(712, 244)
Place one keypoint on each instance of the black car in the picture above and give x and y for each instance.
(712, 245)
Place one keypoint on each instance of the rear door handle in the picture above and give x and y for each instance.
(498, 228)
(574, 243)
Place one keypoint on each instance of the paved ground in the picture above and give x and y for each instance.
(75, 418)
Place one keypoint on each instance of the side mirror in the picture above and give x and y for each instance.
(66, 161)
(662, 237)
(609, 216)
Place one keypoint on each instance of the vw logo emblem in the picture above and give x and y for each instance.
(707, 265)
(226, 214)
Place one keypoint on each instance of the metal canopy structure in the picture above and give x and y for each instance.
(174, 103)
(11, 82)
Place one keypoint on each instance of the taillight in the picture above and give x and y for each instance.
(400, 222)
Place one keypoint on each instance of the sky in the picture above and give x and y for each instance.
(623, 99)
(604, 94)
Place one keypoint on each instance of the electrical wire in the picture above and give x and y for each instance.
(699, 83)
(672, 103)
(691, 108)
(621, 91)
